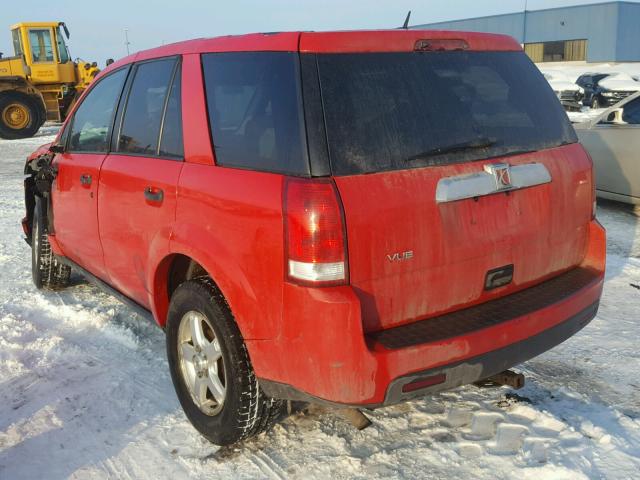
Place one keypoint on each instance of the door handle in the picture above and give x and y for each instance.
(85, 179)
(153, 194)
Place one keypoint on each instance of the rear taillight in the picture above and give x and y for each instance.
(315, 243)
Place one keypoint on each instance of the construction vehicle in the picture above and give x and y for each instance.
(40, 82)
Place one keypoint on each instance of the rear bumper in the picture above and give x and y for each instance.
(324, 356)
(461, 373)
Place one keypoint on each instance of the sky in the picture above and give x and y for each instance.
(98, 28)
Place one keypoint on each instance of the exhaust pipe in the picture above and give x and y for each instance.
(355, 417)
(508, 378)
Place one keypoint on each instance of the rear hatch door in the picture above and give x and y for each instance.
(460, 176)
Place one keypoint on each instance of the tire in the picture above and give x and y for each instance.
(20, 115)
(242, 410)
(46, 270)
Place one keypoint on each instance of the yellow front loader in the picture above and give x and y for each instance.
(41, 81)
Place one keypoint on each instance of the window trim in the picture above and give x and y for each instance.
(67, 148)
(124, 102)
(177, 70)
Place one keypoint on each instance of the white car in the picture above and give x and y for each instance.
(613, 141)
(569, 94)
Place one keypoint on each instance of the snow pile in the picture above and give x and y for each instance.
(85, 393)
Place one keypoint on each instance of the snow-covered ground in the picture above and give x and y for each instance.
(85, 392)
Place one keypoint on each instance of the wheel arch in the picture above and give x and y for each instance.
(183, 264)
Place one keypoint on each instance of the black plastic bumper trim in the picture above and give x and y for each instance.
(488, 314)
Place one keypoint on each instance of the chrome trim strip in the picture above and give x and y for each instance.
(480, 184)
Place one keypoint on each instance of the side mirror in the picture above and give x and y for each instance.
(615, 117)
(56, 148)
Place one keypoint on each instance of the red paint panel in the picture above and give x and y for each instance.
(135, 230)
(76, 209)
(195, 121)
(230, 221)
(541, 230)
(397, 41)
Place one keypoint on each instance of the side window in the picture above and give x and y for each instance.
(142, 118)
(171, 141)
(17, 42)
(63, 53)
(92, 120)
(584, 80)
(254, 107)
(631, 112)
(41, 47)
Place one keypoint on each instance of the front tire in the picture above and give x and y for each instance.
(46, 270)
(20, 115)
(211, 369)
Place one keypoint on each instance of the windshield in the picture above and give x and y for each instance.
(391, 111)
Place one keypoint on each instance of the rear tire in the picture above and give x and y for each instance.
(20, 115)
(230, 406)
(46, 270)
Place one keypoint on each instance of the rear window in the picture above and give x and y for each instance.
(390, 111)
(255, 112)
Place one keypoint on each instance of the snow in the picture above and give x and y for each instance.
(573, 70)
(85, 392)
(623, 77)
(559, 81)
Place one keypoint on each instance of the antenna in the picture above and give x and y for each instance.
(126, 39)
(405, 25)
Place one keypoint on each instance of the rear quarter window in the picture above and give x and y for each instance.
(255, 113)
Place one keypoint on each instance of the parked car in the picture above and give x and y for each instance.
(602, 90)
(613, 141)
(351, 218)
(569, 94)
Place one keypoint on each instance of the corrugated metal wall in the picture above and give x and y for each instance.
(612, 29)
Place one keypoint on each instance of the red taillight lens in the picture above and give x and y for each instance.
(315, 242)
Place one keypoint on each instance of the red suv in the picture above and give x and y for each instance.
(352, 218)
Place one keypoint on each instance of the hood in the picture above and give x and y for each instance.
(563, 86)
(42, 149)
(620, 82)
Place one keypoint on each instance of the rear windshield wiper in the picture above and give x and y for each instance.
(476, 143)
